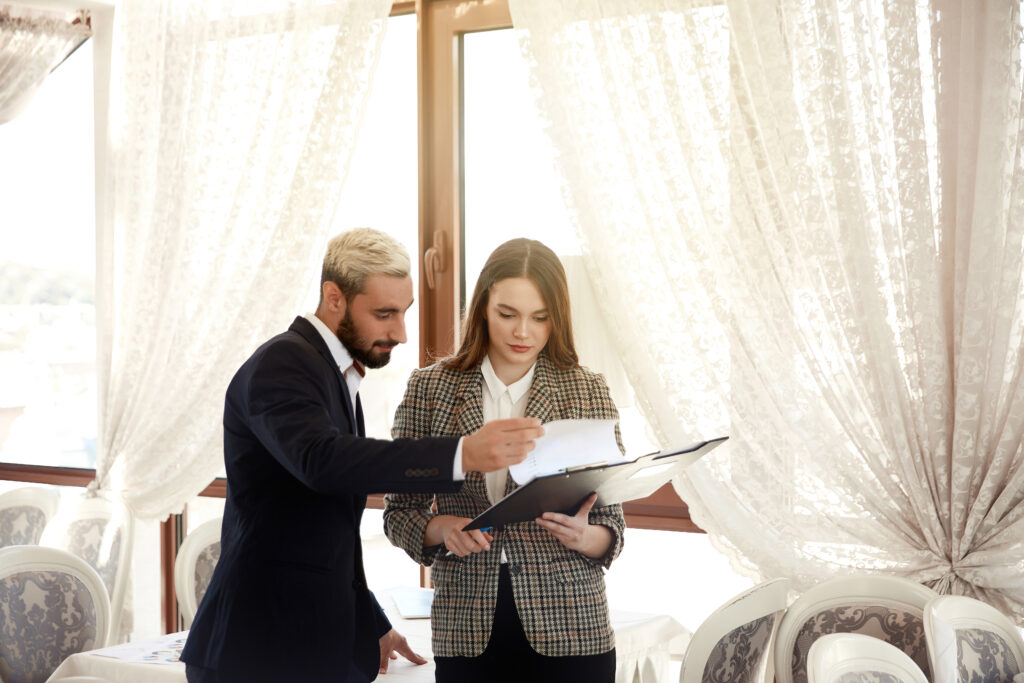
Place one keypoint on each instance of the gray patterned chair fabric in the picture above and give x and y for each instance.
(194, 565)
(734, 644)
(53, 605)
(888, 608)
(858, 658)
(24, 513)
(970, 641)
(100, 532)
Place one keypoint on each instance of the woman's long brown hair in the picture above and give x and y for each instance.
(527, 258)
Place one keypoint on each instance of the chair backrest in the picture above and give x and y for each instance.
(101, 532)
(857, 658)
(889, 608)
(735, 642)
(53, 604)
(969, 640)
(24, 513)
(194, 566)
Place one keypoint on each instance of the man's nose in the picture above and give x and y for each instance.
(398, 331)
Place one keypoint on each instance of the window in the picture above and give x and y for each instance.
(47, 274)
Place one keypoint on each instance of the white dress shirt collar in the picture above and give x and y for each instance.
(496, 387)
(352, 372)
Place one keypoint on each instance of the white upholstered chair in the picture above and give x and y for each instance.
(24, 513)
(734, 644)
(193, 567)
(53, 604)
(101, 532)
(857, 658)
(889, 608)
(969, 640)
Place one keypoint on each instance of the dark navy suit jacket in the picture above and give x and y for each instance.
(288, 600)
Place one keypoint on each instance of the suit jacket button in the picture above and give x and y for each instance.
(433, 471)
(516, 569)
(409, 473)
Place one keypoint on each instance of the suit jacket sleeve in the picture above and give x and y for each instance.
(609, 516)
(287, 406)
(406, 516)
(381, 620)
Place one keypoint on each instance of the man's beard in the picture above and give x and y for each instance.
(359, 348)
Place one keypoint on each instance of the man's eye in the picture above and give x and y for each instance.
(383, 316)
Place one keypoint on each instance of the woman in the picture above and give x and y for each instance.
(525, 602)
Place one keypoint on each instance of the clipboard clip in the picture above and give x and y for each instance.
(567, 470)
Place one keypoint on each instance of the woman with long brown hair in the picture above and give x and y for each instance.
(526, 601)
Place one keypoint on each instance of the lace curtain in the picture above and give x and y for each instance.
(32, 44)
(806, 221)
(232, 123)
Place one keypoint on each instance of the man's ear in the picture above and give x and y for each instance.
(334, 300)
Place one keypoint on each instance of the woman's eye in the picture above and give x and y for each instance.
(506, 316)
(541, 319)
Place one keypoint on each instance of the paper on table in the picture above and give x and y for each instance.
(163, 650)
(569, 443)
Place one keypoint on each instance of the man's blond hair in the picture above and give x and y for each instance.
(356, 254)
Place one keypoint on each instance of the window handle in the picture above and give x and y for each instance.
(434, 259)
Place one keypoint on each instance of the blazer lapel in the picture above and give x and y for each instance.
(469, 417)
(305, 328)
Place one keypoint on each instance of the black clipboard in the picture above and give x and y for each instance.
(565, 491)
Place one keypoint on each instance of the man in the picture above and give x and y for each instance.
(288, 600)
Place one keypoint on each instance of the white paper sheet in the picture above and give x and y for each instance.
(569, 443)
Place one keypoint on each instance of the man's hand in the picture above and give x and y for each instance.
(576, 532)
(393, 644)
(500, 443)
(447, 529)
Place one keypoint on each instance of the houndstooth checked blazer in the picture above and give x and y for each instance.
(559, 593)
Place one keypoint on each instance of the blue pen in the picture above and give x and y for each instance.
(486, 528)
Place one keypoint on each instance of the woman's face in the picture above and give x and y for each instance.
(518, 324)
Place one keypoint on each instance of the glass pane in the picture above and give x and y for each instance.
(381, 192)
(47, 274)
(512, 190)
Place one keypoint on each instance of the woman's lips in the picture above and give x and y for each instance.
(519, 349)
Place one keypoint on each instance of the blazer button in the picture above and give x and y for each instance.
(516, 569)
(409, 473)
(434, 471)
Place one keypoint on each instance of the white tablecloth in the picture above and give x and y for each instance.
(641, 648)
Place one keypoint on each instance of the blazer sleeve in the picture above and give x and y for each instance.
(609, 516)
(406, 515)
(285, 401)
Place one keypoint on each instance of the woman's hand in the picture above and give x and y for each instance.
(447, 530)
(576, 532)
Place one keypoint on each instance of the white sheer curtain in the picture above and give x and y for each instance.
(232, 123)
(806, 219)
(32, 43)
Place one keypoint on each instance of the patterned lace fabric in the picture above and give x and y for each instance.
(899, 628)
(21, 525)
(741, 654)
(205, 564)
(985, 657)
(805, 221)
(46, 616)
(233, 123)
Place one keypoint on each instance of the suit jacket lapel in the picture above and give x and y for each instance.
(310, 334)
